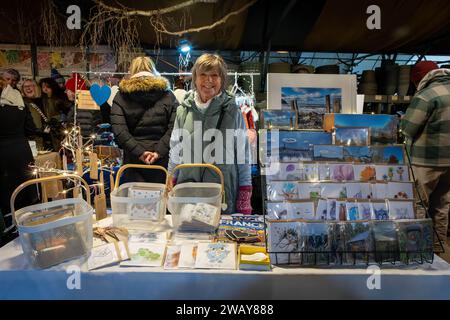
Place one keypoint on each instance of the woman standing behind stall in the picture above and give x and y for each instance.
(16, 124)
(208, 107)
(32, 97)
(142, 117)
(55, 107)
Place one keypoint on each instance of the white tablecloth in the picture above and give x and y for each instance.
(18, 281)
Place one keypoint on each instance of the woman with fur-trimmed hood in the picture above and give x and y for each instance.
(142, 118)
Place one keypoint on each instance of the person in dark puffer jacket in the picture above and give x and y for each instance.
(142, 119)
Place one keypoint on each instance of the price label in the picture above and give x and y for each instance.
(394, 98)
(407, 98)
(378, 98)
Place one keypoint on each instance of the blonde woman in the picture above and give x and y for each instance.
(142, 117)
(209, 108)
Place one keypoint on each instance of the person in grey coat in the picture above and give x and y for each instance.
(209, 128)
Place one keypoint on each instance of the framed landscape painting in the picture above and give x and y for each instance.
(312, 95)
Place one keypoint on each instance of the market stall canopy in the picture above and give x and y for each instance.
(413, 26)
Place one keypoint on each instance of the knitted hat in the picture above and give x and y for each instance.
(81, 83)
(421, 69)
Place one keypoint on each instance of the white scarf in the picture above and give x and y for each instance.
(203, 105)
(11, 97)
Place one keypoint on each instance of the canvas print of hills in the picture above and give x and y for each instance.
(311, 104)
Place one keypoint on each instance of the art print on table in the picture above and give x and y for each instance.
(358, 154)
(321, 210)
(334, 190)
(172, 257)
(284, 236)
(379, 190)
(188, 255)
(342, 172)
(365, 172)
(282, 190)
(415, 238)
(301, 210)
(379, 210)
(144, 211)
(358, 190)
(399, 209)
(358, 241)
(309, 172)
(146, 236)
(333, 210)
(315, 238)
(277, 210)
(388, 154)
(216, 255)
(352, 211)
(324, 172)
(341, 210)
(312, 94)
(309, 190)
(385, 240)
(292, 145)
(145, 254)
(328, 153)
(364, 210)
(310, 103)
(102, 256)
(351, 136)
(392, 173)
(286, 171)
(383, 127)
(279, 119)
(400, 190)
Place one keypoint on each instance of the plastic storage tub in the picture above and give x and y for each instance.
(138, 205)
(196, 206)
(54, 232)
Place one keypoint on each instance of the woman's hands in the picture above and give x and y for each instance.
(149, 157)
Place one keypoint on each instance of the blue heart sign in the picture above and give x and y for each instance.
(100, 94)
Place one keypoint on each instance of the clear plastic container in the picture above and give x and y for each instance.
(54, 232)
(196, 206)
(138, 205)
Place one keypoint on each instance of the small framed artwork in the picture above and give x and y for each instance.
(145, 254)
(279, 119)
(172, 257)
(379, 190)
(393, 154)
(341, 210)
(364, 210)
(321, 210)
(401, 209)
(332, 211)
(309, 190)
(358, 190)
(358, 241)
(357, 154)
(301, 210)
(342, 172)
(379, 210)
(365, 172)
(324, 172)
(284, 236)
(328, 153)
(352, 211)
(415, 239)
(290, 210)
(309, 172)
(312, 94)
(383, 126)
(316, 238)
(352, 136)
(399, 173)
(188, 255)
(282, 190)
(385, 241)
(334, 190)
(400, 190)
(290, 171)
(216, 255)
